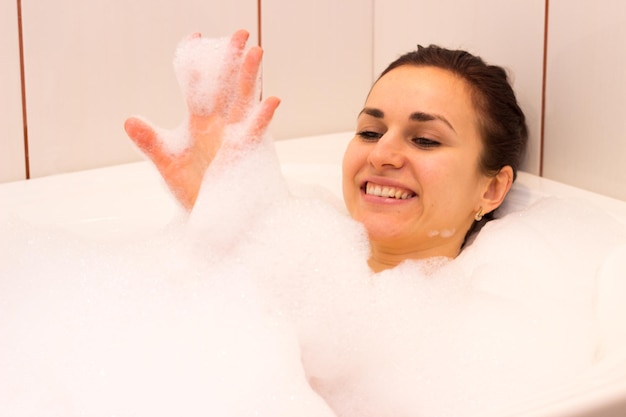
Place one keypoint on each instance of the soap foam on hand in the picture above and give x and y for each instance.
(198, 63)
(205, 70)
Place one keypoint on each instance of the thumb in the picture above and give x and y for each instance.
(146, 139)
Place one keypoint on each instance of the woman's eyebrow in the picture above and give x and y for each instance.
(419, 116)
(373, 112)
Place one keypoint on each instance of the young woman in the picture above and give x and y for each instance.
(437, 147)
(286, 306)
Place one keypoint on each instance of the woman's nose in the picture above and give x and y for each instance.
(386, 153)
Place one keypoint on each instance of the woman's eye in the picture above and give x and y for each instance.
(369, 135)
(426, 143)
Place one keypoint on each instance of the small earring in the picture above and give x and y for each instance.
(479, 215)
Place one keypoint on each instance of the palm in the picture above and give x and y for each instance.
(231, 100)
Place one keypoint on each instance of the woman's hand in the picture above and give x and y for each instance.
(215, 102)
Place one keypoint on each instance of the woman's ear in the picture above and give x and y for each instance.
(497, 188)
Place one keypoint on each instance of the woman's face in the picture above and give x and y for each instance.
(411, 174)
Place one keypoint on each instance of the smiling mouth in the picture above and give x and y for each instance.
(387, 191)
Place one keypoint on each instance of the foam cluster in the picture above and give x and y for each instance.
(199, 63)
(209, 72)
(140, 329)
(201, 68)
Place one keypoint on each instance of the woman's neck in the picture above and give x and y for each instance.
(385, 257)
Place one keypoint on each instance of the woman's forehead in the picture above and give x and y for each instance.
(426, 79)
(423, 89)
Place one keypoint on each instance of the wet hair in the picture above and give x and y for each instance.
(501, 121)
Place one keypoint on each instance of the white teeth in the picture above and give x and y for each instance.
(387, 192)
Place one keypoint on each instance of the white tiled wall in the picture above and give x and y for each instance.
(585, 135)
(506, 33)
(90, 64)
(318, 60)
(12, 165)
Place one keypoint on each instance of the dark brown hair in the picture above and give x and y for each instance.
(502, 122)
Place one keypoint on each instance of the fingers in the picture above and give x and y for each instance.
(219, 79)
(246, 89)
(146, 139)
(230, 70)
(263, 117)
(239, 38)
(207, 71)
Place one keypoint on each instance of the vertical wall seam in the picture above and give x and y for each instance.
(258, 23)
(259, 33)
(543, 87)
(373, 41)
(23, 90)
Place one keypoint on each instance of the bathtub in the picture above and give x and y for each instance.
(113, 202)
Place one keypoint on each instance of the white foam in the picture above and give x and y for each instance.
(510, 319)
(142, 329)
(279, 284)
(208, 71)
(266, 290)
(445, 233)
(198, 63)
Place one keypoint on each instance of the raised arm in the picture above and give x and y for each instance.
(219, 97)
